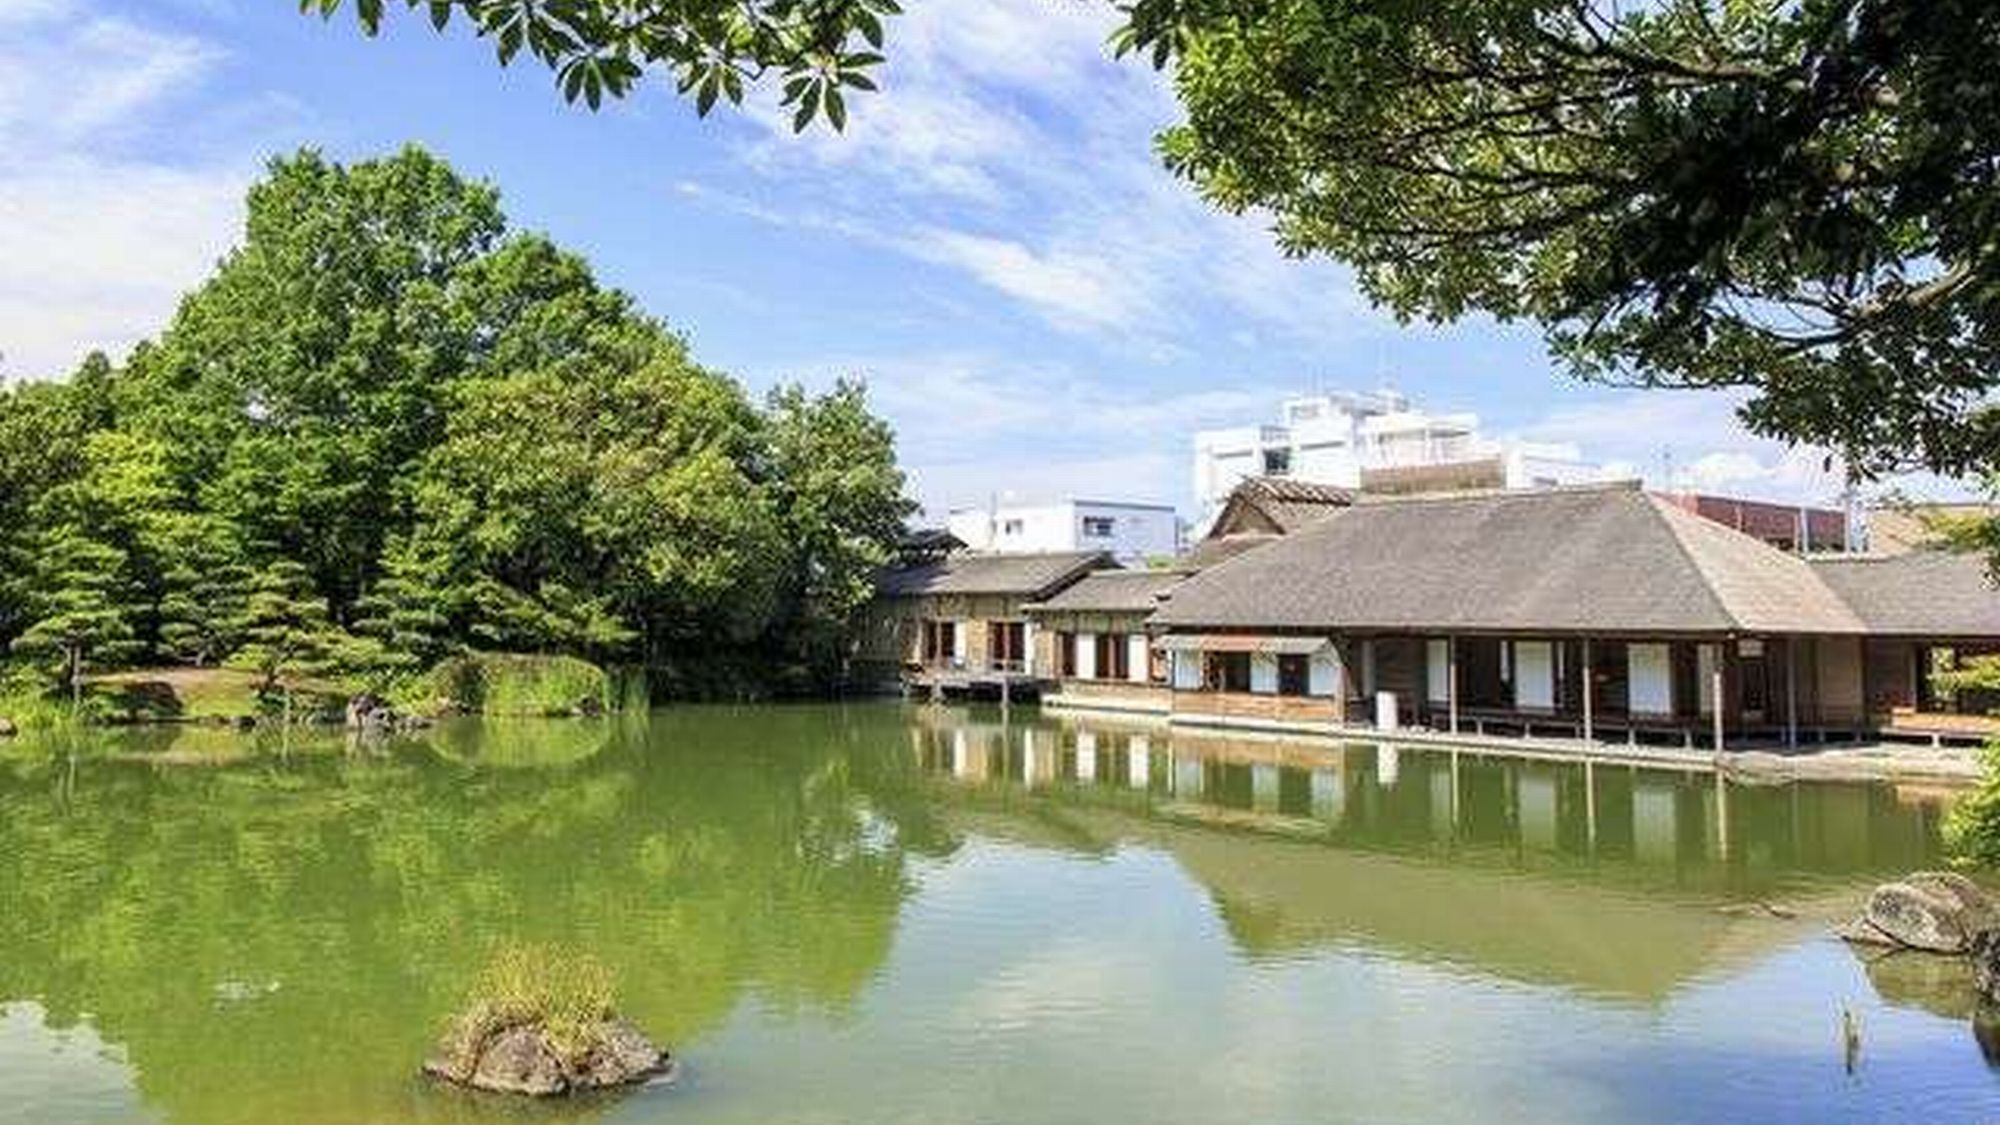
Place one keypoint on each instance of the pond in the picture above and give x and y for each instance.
(879, 913)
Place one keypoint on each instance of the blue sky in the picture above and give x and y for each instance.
(1037, 305)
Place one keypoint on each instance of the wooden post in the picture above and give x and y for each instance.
(1791, 692)
(1451, 684)
(1715, 691)
(1589, 690)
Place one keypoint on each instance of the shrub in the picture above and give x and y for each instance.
(568, 995)
(509, 684)
(1972, 830)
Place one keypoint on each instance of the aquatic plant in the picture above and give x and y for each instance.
(1972, 829)
(569, 995)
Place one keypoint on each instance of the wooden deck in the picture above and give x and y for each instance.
(1012, 684)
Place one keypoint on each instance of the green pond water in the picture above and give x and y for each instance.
(886, 914)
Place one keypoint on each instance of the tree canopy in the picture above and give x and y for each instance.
(814, 49)
(1795, 196)
(388, 429)
(1798, 198)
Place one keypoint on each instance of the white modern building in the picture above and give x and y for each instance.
(1132, 532)
(1378, 441)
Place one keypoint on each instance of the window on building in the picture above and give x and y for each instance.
(1007, 645)
(1277, 462)
(1099, 527)
(1227, 671)
(1013, 527)
(938, 641)
(1066, 654)
(1294, 675)
(1113, 657)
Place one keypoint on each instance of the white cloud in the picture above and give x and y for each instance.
(1006, 134)
(97, 242)
(1693, 440)
(1069, 289)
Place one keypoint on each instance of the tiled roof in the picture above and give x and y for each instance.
(1605, 558)
(1923, 593)
(1113, 591)
(1033, 575)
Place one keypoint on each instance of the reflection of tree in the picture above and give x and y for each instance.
(272, 938)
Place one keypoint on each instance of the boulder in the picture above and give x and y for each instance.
(519, 1058)
(1933, 911)
(8, 729)
(1986, 966)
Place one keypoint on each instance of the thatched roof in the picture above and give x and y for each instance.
(1278, 505)
(1607, 559)
(1925, 593)
(1113, 591)
(1029, 575)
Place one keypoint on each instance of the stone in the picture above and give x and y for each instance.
(8, 729)
(1929, 911)
(518, 1059)
(1929, 982)
(1986, 964)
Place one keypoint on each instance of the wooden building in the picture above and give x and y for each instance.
(1599, 612)
(1924, 611)
(1093, 643)
(959, 623)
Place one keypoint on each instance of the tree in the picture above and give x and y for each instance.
(79, 615)
(601, 48)
(287, 635)
(298, 383)
(628, 476)
(838, 494)
(1796, 198)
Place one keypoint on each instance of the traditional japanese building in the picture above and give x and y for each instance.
(1594, 612)
(958, 621)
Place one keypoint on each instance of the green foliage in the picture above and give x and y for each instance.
(76, 613)
(386, 431)
(568, 994)
(522, 685)
(288, 638)
(1972, 830)
(1793, 198)
(600, 48)
(839, 497)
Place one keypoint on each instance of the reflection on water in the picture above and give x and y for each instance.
(1676, 826)
(876, 913)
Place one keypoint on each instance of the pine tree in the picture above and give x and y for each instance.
(203, 611)
(287, 634)
(78, 615)
(408, 611)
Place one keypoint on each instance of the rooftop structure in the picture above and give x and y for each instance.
(1377, 441)
(1132, 532)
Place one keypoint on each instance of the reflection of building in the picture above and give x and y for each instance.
(1131, 533)
(1303, 849)
(1376, 441)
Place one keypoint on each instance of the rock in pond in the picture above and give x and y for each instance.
(372, 714)
(522, 1058)
(1935, 911)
